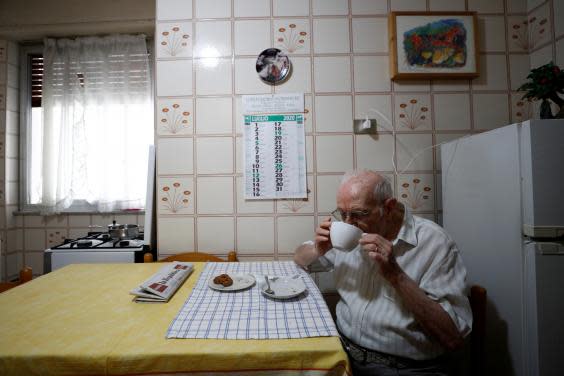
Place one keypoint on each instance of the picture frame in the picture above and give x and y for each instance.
(427, 45)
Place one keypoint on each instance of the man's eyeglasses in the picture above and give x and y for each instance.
(353, 215)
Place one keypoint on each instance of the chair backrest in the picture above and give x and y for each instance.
(200, 256)
(478, 302)
(26, 274)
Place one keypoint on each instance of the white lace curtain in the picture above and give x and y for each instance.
(97, 123)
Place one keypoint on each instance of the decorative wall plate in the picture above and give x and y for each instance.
(273, 66)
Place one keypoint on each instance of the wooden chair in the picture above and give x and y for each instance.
(26, 274)
(478, 301)
(194, 257)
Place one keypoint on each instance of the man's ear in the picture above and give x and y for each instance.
(390, 204)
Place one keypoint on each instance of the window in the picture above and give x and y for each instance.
(87, 123)
(35, 126)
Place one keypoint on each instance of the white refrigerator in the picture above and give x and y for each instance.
(503, 203)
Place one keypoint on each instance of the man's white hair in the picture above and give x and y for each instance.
(381, 191)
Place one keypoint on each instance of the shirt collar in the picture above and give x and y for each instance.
(407, 230)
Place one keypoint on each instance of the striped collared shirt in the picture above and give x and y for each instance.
(370, 312)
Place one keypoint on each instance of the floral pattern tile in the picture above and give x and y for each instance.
(175, 116)
(56, 237)
(518, 33)
(175, 195)
(292, 36)
(527, 33)
(308, 114)
(539, 28)
(174, 39)
(298, 205)
(416, 191)
(521, 109)
(413, 112)
(294, 205)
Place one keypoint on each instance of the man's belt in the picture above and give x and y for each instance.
(364, 355)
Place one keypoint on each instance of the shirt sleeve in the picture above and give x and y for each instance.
(324, 263)
(445, 283)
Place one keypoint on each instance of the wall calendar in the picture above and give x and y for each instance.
(275, 164)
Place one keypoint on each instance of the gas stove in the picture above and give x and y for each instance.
(100, 240)
(96, 247)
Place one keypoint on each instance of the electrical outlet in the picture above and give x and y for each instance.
(364, 126)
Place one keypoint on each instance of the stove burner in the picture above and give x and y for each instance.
(124, 243)
(84, 243)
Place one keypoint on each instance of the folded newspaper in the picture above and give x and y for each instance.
(163, 284)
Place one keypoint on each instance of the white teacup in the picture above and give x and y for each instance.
(344, 237)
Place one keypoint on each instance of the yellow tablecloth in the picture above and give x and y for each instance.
(80, 320)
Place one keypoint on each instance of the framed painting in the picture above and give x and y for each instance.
(426, 45)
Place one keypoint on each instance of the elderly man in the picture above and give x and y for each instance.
(403, 301)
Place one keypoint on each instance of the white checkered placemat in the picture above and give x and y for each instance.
(248, 314)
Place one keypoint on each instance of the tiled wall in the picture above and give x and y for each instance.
(9, 144)
(340, 57)
(205, 52)
(32, 234)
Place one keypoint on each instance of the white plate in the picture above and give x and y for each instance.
(240, 282)
(284, 287)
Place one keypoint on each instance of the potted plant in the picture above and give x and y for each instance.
(545, 83)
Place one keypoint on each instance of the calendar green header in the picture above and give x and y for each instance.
(267, 118)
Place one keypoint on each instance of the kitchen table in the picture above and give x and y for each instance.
(81, 320)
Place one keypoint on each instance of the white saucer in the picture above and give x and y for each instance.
(284, 287)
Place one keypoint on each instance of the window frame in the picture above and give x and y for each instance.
(25, 108)
(25, 119)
